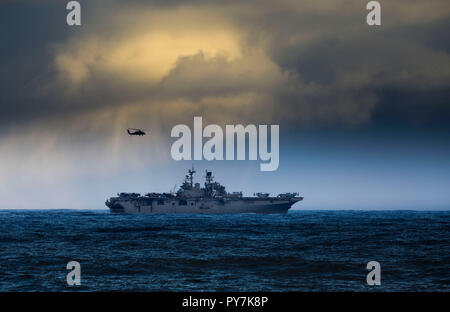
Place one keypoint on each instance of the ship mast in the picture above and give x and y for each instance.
(191, 176)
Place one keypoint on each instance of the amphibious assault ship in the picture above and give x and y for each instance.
(191, 198)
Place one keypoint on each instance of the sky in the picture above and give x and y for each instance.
(363, 111)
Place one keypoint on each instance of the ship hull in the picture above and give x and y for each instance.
(174, 206)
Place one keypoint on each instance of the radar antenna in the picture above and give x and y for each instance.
(209, 177)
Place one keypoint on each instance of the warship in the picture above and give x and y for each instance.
(210, 199)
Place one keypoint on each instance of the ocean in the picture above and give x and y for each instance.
(299, 251)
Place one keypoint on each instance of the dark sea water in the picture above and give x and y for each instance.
(299, 251)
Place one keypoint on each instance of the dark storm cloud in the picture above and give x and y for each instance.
(28, 29)
(314, 63)
(429, 109)
(407, 69)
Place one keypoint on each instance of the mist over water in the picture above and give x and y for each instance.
(299, 251)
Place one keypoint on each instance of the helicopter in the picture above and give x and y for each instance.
(132, 131)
